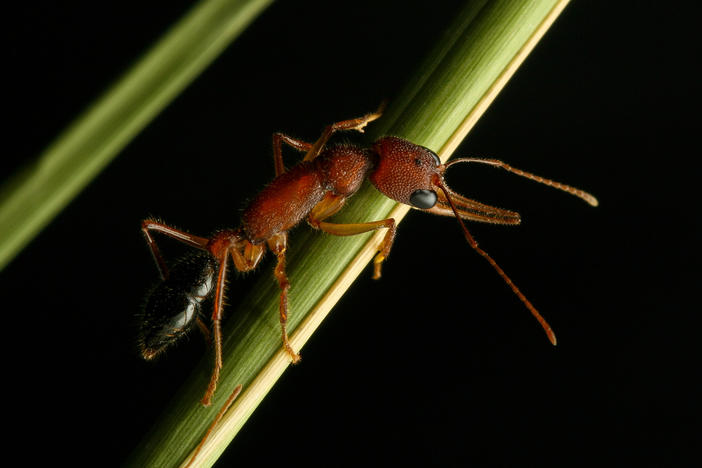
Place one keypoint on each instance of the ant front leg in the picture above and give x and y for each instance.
(357, 124)
(329, 205)
(278, 245)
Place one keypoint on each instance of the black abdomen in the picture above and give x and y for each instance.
(173, 306)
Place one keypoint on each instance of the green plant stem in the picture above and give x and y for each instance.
(466, 70)
(30, 199)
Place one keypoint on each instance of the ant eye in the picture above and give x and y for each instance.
(437, 161)
(423, 199)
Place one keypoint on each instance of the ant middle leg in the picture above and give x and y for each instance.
(217, 327)
(245, 257)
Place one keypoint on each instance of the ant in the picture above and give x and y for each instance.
(313, 190)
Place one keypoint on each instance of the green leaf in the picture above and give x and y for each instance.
(32, 197)
(479, 53)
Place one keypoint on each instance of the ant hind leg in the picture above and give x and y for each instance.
(149, 225)
(217, 327)
(278, 245)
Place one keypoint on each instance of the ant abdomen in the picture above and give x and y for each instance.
(173, 307)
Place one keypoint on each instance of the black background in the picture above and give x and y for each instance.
(606, 102)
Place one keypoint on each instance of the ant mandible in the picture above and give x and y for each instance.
(314, 189)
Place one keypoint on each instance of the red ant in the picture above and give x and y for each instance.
(314, 189)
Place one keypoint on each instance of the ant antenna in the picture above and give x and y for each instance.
(500, 271)
(583, 195)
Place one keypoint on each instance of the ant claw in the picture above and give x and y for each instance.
(294, 357)
(378, 266)
(360, 128)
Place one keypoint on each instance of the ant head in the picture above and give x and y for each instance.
(405, 172)
(413, 175)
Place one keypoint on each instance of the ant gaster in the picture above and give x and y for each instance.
(313, 190)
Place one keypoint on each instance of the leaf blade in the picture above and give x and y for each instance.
(37, 193)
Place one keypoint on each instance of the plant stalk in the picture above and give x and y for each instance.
(480, 52)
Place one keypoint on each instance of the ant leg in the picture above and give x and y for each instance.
(329, 205)
(357, 124)
(215, 422)
(352, 229)
(149, 225)
(203, 328)
(222, 245)
(278, 140)
(217, 326)
(278, 245)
